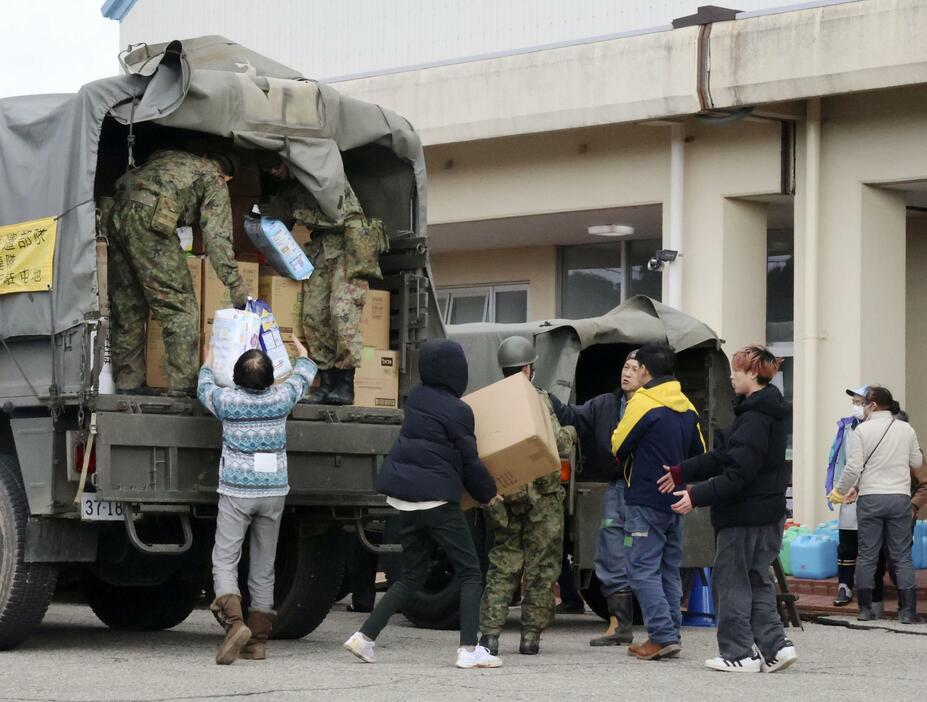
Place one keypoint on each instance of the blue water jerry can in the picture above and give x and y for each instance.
(919, 549)
(814, 556)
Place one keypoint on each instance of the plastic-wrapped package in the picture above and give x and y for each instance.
(233, 333)
(275, 241)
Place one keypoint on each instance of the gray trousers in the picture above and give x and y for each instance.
(884, 519)
(744, 597)
(236, 514)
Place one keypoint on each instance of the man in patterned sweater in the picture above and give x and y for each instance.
(253, 485)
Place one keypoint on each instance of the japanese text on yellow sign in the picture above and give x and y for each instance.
(27, 254)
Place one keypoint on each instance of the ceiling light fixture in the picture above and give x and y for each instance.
(612, 230)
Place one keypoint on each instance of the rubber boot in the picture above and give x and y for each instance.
(530, 643)
(319, 396)
(908, 612)
(227, 611)
(491, 643)
(621, 609)
(260, 622)
(342, 392)
(864, 599)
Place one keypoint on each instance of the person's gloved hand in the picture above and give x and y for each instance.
(836, 497)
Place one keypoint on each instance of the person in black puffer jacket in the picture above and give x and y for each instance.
(424, 476)
(744, 482)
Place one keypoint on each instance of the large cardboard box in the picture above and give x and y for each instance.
(285, 297)
(376, 381)
(514, 436)
(216, 296)
(155, 361)
(374, 325)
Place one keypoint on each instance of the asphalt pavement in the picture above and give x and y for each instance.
(74, 658)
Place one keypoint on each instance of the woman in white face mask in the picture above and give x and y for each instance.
(848, 548)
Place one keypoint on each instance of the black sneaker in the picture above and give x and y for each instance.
(844, 596)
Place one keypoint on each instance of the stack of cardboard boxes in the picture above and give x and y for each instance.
(376, 382)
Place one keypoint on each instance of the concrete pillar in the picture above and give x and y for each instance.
(916, 326)
(862, 306)
(743, 305)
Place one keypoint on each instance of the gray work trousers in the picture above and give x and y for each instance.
(884, 519)
(236, 514)
(743, 593)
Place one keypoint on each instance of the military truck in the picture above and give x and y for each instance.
(578, 360)
(114, 495)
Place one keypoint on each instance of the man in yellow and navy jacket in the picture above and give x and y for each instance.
(660, 427)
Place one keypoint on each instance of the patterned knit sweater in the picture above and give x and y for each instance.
(253, 462)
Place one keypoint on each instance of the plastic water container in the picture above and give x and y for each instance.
(919, 550)
(830, 529)
(785, 555)
(814, 556)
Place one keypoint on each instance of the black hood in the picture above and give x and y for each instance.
(442, 363)
(768, 401)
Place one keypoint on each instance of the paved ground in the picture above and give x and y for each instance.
(74, 658)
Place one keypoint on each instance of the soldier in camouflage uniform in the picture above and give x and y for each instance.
(528, 531)
(147, 267)
(346, 254)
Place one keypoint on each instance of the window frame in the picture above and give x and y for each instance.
(488, 290)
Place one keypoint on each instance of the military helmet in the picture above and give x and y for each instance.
(516, 352)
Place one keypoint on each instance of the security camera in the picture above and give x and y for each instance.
(661, 257)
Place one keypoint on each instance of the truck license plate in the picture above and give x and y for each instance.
(93, 509)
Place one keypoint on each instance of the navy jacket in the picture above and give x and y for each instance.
(594, 421)
(660, 427)
(435, 456)
(745, 479)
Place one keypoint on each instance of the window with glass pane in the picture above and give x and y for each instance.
(591, 280)
(780, 286)
(511, 306)
(467, 308)
(640, 280)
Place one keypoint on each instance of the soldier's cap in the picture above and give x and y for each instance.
(228, 162)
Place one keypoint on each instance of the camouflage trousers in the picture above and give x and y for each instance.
(332, 307)
(529, 540)
(148, 274)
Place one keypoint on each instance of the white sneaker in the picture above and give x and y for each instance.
(782, 660)
(362, 647)
(479, 657)
(750, 664)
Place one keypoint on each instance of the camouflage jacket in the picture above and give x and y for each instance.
(550, 483)
(189, 190)
(293, 201)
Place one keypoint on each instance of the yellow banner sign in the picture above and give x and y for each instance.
(27, 255)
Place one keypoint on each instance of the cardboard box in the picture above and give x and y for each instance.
(285, 297)
(374, 325)
(301, 234)
(216, 296)
(376, 381)
(514, 435)
(155, 360)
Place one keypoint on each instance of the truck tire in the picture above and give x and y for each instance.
(309, 574)
(437, 604)
(25, 588)
(145, 607)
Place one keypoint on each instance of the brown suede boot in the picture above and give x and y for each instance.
(260, 622)
(227, 611)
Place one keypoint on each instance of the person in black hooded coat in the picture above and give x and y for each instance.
(424, 476)
(744, 482)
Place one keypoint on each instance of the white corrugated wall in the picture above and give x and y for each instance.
(326, 39)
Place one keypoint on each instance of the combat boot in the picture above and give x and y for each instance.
(227, 611)
(342, 392)
(530, 643)
(491, 643)
(621, 630)
(319, 396)
(864, 600)
(908, 612)
(260, 622)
